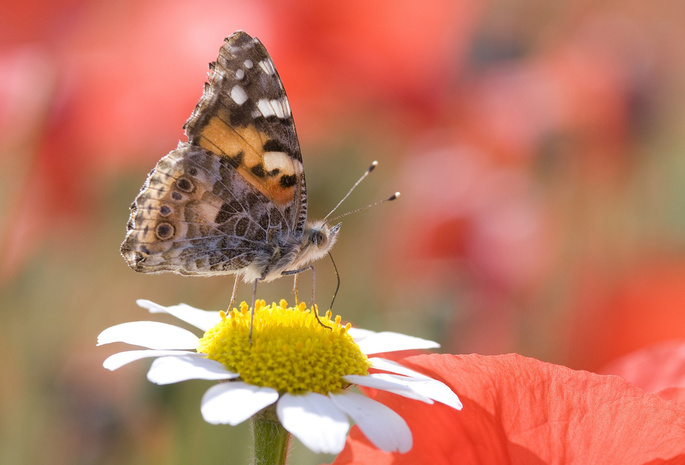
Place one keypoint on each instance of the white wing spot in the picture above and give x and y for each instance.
(277, 107)
(279, 160)
(238, 95)
(268, 67)
(265, 108)
(240, 74)
(248, 64)
(234, 49)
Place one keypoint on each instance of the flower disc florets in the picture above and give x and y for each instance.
(290, 351)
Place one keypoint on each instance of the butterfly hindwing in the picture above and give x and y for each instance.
(197, 216)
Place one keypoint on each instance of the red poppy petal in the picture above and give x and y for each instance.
(519, 410)
(659, 368)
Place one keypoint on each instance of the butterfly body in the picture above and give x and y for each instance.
(233, 199)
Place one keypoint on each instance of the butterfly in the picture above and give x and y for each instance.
(233, 199)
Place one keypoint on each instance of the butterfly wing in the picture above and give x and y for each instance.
(244, 114)
(223, 202)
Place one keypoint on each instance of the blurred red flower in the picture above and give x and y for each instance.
(616, 316)
(89, 90)
(519, 410)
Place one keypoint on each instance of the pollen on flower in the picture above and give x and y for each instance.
(290, 351)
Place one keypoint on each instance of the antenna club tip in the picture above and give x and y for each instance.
(372, 167)
(394, 196)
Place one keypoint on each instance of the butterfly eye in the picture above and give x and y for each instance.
(318, 238)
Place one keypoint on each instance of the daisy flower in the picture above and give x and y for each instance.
(295, 372)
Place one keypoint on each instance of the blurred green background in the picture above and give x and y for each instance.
(538, 147)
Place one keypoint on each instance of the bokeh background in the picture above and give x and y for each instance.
(539, 147)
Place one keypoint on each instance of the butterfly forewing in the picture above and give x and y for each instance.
(244, 114)
(232, 199)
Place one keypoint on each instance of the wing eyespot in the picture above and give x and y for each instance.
(164, 231)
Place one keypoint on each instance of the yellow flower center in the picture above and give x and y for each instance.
(290, 351)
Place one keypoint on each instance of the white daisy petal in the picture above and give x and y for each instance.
(394, 367)
(427, 387)
(167, 370)
(376, 381)
(385, 429)
(433, 389)
(123, 358)
(201, 319)
(314, 420)
(234, 402)
(390, 342)
(150, 334)
(358, 333)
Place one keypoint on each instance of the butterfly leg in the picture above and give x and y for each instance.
(235, 290)
(297, 300)
(254, 301)
(313, 306)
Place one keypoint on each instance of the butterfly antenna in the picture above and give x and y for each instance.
(366, 173)
(389, 199)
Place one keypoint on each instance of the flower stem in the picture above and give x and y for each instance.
(271, 441)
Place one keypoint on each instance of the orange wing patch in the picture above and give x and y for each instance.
(274, 174)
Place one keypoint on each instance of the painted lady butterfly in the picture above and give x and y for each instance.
(233, 199)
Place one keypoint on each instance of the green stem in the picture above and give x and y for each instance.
(271, 440)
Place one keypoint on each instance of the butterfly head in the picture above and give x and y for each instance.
(319, 239)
